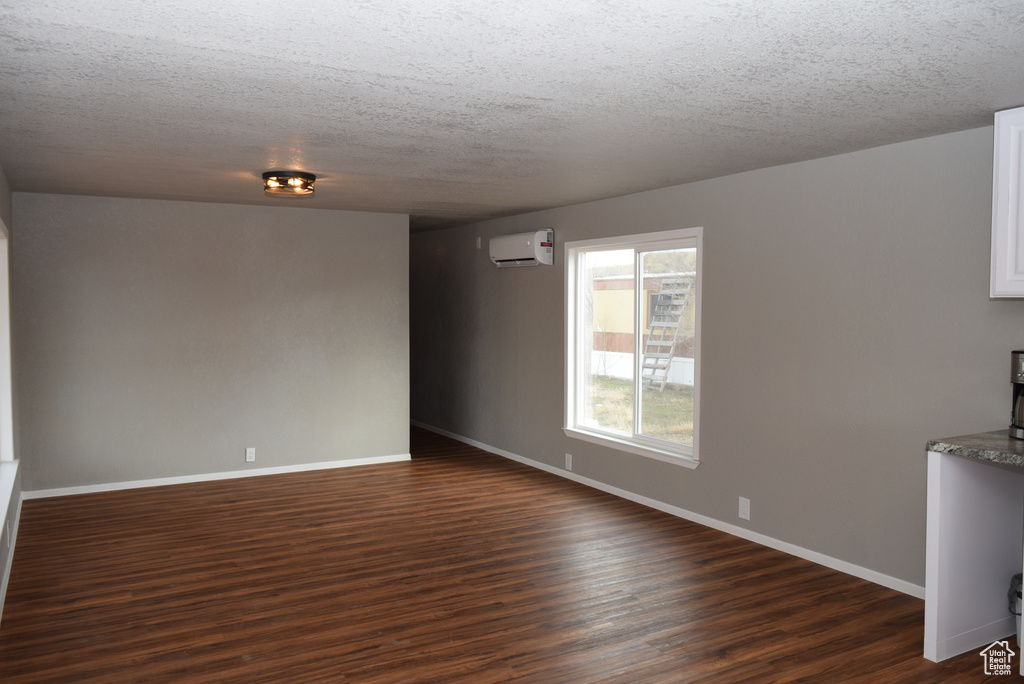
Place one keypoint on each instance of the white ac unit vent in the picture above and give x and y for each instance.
(524, 249)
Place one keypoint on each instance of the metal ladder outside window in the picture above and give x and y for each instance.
(667, 307)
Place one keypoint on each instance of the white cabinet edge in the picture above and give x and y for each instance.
(1007, 272)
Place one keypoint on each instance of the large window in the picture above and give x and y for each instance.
(633, 343)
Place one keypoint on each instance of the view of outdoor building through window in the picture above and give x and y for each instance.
(637, 369)
(608, 330)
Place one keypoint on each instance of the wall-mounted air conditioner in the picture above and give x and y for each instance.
(524, 249)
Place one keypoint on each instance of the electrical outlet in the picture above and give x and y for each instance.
(744, 508)
(568, 461)
(250, 454)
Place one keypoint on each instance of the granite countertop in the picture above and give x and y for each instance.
(995, 447)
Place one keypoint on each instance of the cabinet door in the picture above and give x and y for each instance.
(1007, 215)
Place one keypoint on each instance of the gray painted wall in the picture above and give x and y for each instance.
(157, 339)
(846, 321)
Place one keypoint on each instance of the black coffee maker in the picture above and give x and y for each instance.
(1017, 378)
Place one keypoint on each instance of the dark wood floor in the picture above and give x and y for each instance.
(458, 566)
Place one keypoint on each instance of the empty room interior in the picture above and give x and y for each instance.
(329, 340)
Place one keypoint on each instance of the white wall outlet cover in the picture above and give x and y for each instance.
(250, 454)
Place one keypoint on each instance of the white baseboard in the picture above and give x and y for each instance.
(821, 559)
(207, 477)
(975, 639)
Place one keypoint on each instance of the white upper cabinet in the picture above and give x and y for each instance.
(1007, 200)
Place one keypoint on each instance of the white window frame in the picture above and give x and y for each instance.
(661, 450)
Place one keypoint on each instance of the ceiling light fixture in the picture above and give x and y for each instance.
(288, 184)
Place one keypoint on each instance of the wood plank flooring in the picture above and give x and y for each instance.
(458, 566)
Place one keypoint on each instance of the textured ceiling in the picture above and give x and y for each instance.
(456, 110)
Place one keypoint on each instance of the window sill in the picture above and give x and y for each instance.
(632, 448)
